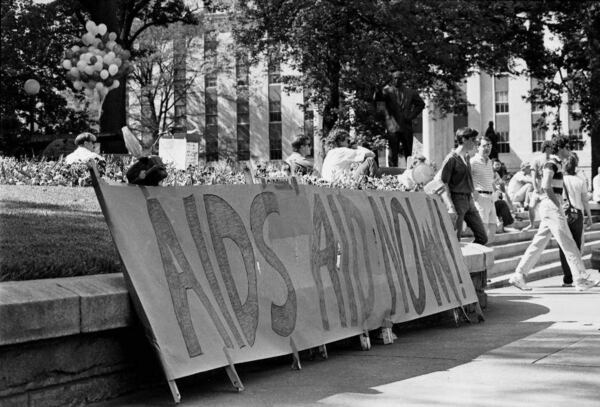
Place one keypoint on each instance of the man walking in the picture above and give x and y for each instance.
(458, 195)
(483, 182)
(554, 223)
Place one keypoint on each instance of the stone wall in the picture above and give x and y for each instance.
(74, 341)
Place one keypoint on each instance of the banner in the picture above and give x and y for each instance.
(245, 272)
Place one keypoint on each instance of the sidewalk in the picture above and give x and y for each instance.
(538, 348)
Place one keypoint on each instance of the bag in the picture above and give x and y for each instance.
(571, 212)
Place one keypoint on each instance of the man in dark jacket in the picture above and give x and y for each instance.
(402, 105)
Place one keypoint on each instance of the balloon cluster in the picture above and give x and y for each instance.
(97, 65)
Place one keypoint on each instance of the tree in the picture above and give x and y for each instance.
(129, 19)
(33, 38)
(154, 78)
(348, 47)
(572, 66)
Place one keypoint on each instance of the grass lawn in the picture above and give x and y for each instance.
(53, 231)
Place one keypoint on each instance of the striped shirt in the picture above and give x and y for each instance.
(483, 173)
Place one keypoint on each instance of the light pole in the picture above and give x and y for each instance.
(32, 88)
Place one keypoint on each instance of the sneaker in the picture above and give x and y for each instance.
(518, 281)
(584, 284)
(567, 285)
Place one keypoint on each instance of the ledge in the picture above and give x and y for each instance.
(43, 309)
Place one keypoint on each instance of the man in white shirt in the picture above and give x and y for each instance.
(483, 183)
(596, 187)
(341, 158)
(299, 164)
(85, 150)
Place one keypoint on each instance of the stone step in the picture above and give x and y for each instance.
(539, 273)
(508, 265)
(518, 248)
(520, 236)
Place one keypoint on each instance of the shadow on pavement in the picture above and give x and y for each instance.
(426, 346)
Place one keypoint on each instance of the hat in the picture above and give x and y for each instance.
(83, 137)
(525, 164)
(466, 132)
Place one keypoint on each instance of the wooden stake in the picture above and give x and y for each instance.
(296, 365)
(232, 373)
(174, 391)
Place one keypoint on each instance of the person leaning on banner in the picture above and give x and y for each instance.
(341, 158)
(85, 150)
(148, 169)
(299, 164)
(455, 173)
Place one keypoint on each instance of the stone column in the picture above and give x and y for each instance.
(438, 134)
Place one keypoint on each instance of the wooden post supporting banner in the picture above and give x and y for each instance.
(365, 340)
(232, 373)
(174, 391)
(296, 365)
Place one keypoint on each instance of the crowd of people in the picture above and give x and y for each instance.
(559, 195)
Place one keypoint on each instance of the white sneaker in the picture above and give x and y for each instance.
(518, 281)
(585, 284)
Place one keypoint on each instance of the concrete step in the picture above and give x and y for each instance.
(508, 265)
(517, 248)
(538, 273)
(520, 236)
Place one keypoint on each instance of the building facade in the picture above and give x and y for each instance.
(242, 112)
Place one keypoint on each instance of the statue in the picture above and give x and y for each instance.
(401, 105)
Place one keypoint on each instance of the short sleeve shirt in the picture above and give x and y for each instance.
(456, 173)
(557, 179)
(340, 159)
(482, 173)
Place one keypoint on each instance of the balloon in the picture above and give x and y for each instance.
(74, 72)
(68, 54)
(112, 36)
(126, 54)
(78, 85)
(117, 48)
(93, 60)
(88, 92)
(84, 77)
(67, 64)
(89, 70)
(100, 46)
(81, 65)
(117, 61)
(108, 82)
(100, 86)
(87, 38)
(113, 69)
(102, 29)
(98, 66)
(90, 26)
(104, 74)
(32, 87)
(115, 84)
(75, 48)
(110, 44)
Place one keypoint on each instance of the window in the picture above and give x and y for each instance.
(577, 141)
(503, 144)
(210, 80)
(537, 138)
(243, 110)
(502, 102)
(275, 124)
(212, 129)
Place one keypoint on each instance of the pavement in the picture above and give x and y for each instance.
(537, 348)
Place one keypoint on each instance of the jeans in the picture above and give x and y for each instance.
(503, 212)
(554, 223)
(576, 229)
(467, 212)
(367, 168)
